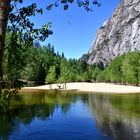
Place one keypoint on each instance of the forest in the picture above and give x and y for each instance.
(43, 64)
(124, 69)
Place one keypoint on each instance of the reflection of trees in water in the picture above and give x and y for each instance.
(40, 105)
(117, 115)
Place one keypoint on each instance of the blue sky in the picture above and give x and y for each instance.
(74, 29)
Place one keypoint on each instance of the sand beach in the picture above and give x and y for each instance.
(89, 87)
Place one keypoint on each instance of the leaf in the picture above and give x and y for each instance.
(66, 7)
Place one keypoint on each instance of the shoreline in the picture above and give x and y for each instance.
(88, 87)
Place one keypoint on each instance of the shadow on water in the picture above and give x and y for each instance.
(117, 115)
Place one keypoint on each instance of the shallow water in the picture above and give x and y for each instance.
(57, 115)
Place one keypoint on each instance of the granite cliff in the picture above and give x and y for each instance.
(118, 35)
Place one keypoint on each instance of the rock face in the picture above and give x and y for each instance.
(120, 34)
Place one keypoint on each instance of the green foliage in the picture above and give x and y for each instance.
(19, 22)
(51, 77)
(73, 70)
(64, 72)
(38, 63)
(123, 69)
(131, 68)
(96, 73)
(15, 57)
(86, 4)
(113, 72)
(18, 63)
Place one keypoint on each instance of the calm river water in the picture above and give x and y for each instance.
(59, 115)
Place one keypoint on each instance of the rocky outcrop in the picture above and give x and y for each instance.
(120, 34)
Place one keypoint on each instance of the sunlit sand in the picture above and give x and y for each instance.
(89, 87)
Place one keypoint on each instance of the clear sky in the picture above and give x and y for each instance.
(74, 29)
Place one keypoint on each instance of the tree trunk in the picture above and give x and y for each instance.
(4, 11)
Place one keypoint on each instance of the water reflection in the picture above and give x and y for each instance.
(69, 116)
(33, 105)
(117, 115)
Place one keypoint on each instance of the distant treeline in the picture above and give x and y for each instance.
(30, 62)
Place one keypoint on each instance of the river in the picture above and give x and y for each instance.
(56, 115)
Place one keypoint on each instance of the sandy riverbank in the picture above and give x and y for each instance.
(89, 87)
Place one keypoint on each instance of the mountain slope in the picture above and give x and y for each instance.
(120, 34)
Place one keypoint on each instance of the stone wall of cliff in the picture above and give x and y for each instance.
(120, 34)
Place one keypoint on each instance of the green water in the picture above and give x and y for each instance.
(59, 115)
